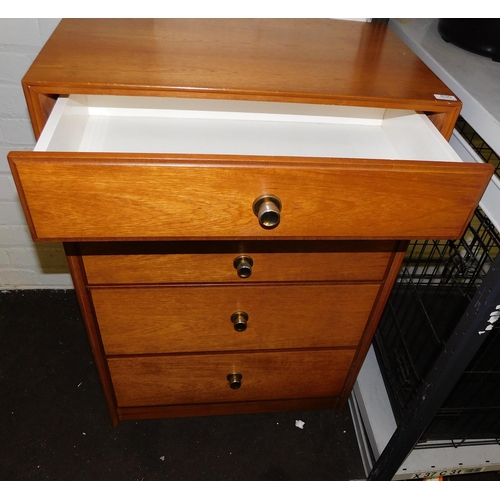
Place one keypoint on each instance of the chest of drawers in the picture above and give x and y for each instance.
(233, 233)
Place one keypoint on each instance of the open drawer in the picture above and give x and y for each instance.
(125, 168)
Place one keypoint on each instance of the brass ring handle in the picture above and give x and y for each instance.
(267, 208)
(239, 320)
(234, 380)
(243, 265)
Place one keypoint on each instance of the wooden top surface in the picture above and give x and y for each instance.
(301, 60)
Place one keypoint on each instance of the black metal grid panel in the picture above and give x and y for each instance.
(459, 354)
(472, 410)
(437, 281)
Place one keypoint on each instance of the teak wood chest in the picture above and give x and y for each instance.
(235, 198)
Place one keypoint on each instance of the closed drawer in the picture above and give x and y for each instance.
(347, 173)
(191, 319)
(183, 379)
(214, 262)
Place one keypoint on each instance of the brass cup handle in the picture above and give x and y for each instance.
(243, 265)
(239, 320)
(267, 208)
(234, 380)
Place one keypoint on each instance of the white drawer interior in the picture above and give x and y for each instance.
(82, 123)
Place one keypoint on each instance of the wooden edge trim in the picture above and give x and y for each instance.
(488, 175)
(35, 109)
(233, 408)
(445, 121)
(78, 275)
(22, 197)
(371, 326)
(39, 105)
(187, 160)
(38, 92)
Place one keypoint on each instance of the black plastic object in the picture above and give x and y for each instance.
(480, 36)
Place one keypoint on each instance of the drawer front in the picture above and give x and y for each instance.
(106, 196)
(181, 262)
(183, 379)
(193, 319)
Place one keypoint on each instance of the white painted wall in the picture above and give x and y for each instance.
(23, 264)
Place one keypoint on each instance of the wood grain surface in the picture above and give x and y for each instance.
(290, 60)
(190, 319)
(160, 380)
(281, 58)
(213, 262)
(74, 197)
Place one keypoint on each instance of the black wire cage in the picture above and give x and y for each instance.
(436, 284)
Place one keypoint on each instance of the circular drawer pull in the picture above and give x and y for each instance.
(243, 265)
(239, 320)
(234, 380)
(267, 208)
